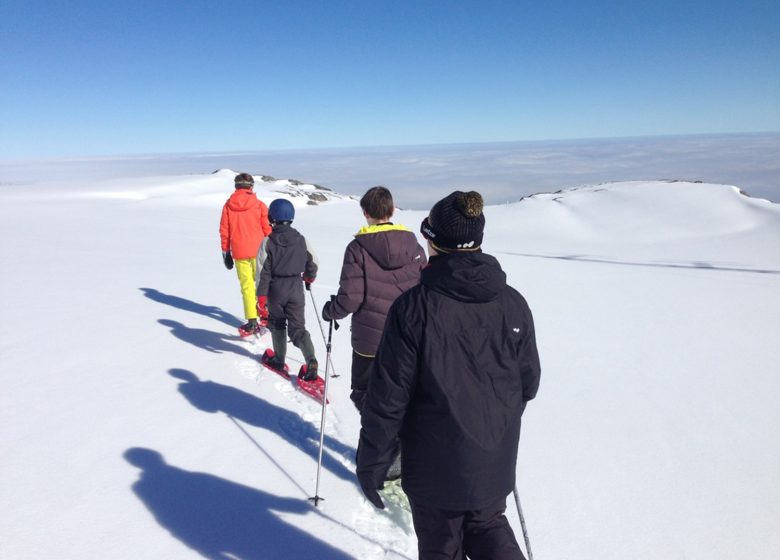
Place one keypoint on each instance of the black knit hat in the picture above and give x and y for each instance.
(244, 181)
(455, 223)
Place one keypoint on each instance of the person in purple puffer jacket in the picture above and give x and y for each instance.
(383, 261)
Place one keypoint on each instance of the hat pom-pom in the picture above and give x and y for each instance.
(470, 204)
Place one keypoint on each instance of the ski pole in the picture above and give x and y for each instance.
(522, 524)
(322, 331)
(316, 498)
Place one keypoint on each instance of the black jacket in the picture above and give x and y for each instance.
(285, 253)
(455, 367)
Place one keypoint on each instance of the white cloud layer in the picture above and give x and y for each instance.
(420, 175)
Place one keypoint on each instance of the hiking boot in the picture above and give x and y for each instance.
(251, 327)
(308, 372)
(272, 360)
(276, 363)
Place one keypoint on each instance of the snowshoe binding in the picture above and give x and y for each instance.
(311, 383)
(250, 328)
(308, 372)
(269, 360)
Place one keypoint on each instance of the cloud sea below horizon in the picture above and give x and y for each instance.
(420, 175)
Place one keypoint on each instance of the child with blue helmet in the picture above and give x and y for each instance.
(286, 263)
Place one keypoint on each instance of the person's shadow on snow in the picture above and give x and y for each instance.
(210, 311)
(221, 519)
(208, 340)
(209, 396)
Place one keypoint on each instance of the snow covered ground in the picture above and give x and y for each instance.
(136, 424)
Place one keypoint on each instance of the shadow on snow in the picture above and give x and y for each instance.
(221, 519)
(210, 311)
(208, 340)
(212, 397)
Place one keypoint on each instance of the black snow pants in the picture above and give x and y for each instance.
(286, 316)
(360, 369)
(452, 535)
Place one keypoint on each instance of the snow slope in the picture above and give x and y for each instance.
(135, 424)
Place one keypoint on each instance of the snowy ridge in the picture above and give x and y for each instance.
(204, 189)
(675, 223)
(294, 190)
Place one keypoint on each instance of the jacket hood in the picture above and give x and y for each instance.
(242, 200)
(391, 246)
(467, 277)
(284, 234)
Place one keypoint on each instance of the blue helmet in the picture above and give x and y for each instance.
(281, 210)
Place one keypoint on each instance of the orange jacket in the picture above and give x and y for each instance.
(244, 224)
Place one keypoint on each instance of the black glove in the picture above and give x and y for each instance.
(228, 259)
(370, 488)
(326, 312)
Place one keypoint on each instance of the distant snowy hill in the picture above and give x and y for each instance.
(206, 189)
(289, 188)
(662, 223)
(137, 425)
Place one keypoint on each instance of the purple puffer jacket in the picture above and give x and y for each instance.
(381, 263)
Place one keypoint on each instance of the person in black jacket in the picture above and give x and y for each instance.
(285, 259)
(456, 365)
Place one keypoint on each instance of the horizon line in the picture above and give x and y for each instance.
(211, 153)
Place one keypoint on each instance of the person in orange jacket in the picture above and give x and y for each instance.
(243, 226)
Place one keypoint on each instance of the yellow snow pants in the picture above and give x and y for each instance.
(247, 272)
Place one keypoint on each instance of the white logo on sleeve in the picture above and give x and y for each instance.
(516, 329)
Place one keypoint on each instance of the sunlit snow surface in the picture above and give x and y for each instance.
(137, 425)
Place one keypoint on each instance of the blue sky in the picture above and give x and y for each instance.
(95, 78)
